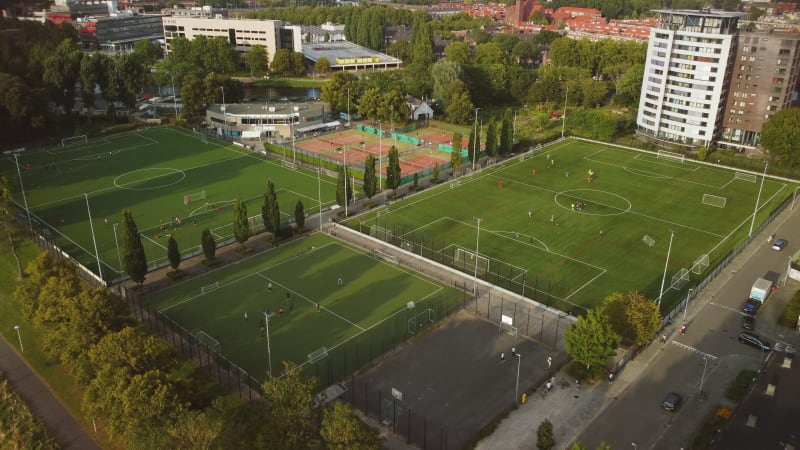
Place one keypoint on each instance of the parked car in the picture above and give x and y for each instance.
(748, 322)
(779, 244)
(751, 306)
(754, 340)
(672, 402)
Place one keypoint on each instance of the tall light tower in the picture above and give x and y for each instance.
(664, 278)
(564, 121)
(380, 154)
(477, 247)
(758, 198)
(224, 110)
(475, 142)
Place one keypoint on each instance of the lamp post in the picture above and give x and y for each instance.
(475, 142)
(24, 198)
(686, 306)
(564, 121)
(633, 444)
(664, 278)
(519, 363)
(224, 112)
(703, 376)
(346, 200)
(758, 198)
(116, 243)
(380, 154)
(319, 197)
(94, 240)
(269, 351)
(294, 151)
(477, 243)
(348, 107)
(21, 349)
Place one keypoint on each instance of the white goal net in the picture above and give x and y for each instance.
(745, 176)
(649, 241)
(208, 288)
(468, 260)
(187, 199)
(714, 200)
(391, 259)
(318, 354)
(663, 154)
(700, 264)
(207, 340)
(421, 320)
(75, 140)
(680, 278)
(289, 164)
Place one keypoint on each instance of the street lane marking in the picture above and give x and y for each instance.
(692, 349)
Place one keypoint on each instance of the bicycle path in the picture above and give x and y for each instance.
(58, 421)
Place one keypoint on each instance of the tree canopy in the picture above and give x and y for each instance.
(781, 135)
(635, 318)
(591, 341)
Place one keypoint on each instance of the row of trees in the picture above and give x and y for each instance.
(629, 318)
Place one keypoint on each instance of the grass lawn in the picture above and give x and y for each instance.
(356, 321)
(533, 241)
(151, 172)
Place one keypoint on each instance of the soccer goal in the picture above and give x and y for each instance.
(455, 184)
(74, 140)
(744, 176)
(467, 260)
(318, 354)
(714, 200)
(381, 233)
(510, 329)
(187, 199)
(700, 264)
(207, 340)
(649, 241)
(680, 278)
(211, 287)
(378, 254)
(421, 320)
(663, 154)
(289, 164)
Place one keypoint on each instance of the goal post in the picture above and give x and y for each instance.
(714, 200)
(421, 320)
(210, 287)
(318, 354)
(379, 254)
(648, 240)
(288, 164)
(680, 278)
(207, 340)
(663, 154)
(467, 260)
(700, 264)
(744, 176)
(74, 140)
(187, 199)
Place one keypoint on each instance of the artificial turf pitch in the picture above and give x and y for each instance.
(364, 316)
(531, 235)
(149, 172)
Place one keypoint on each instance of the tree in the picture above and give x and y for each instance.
(61, 71)
(393, 170)
(455, 155)
(270, 211)
(545, 440)
(635, 318)
(335, 91)
(257, 61)
(444, 73)
(370, 186)
(134, 260)
(282, 62)
(344, 187)
(435, 174)
(341, 430)
(369, 103)
(298, 64)
(591, 341)
(506, 133)
(299, 214)
(173, 254)
(458, 52)
(781, 134)
(322, 66)
(460, 108)
(209, 245)
(294, 414)
(10, 222)
(194, 430)
(491, 138)
(241, 225)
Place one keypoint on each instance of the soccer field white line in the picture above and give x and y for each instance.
(151, 240)
(221, 285)
(312, 302)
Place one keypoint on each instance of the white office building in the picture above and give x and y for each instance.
(685, 79)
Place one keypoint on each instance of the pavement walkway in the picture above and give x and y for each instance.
(58, 421)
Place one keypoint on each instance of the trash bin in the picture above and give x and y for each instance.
(524, 398)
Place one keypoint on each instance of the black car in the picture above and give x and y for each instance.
(672, 402)
(754, 340)
(748, 322)
(751, 306)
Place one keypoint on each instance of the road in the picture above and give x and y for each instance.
(708, 353)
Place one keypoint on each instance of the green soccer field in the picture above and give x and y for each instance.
(363, 317)
(154, 173)
(533, 239)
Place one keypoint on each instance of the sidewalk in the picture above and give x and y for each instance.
(59, 422)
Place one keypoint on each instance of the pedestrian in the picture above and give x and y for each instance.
(291, 307)
(280, 312)
(269, 286)
(502, 358)
(549, 362)
(516, 233)
(530, 214)
(548, 386)
(578, 384)
(602, 233)
(682, 330)
(663, 338)
(262, 330)
(513, 350)
(105, 221)
(317, 307)
(610, 377)
(288, 296)
(245, 315)
(566, 173)
(533, 171)
(770, 238)
(340, 282)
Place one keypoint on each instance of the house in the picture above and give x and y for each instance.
(419, 109)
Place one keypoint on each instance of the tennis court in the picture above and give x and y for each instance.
(175, 182)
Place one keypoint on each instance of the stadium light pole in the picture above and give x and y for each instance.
(224, 111)
(664, 278)
(269, 349)
(519, 363)
(116, 243)
(348, 107)
(346, 200)
(22, 188)
(564, 119)
(703, 376)
(319, 196)
(475, 142)
(758, 198)
(686, 306)
(477, 246)
(294, 151)
(21, 348)
(380, 154)
(174, 92)
(94, 240)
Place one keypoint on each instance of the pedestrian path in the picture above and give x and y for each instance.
(59, 422)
